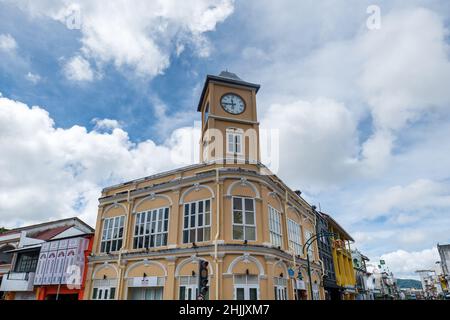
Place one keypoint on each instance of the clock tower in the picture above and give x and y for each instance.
(230, 127)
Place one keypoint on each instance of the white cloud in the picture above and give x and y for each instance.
(32, 77)
(78, 69)
(406, 68)
(405, 263)
(106, 124)
(320, 130)
(420, 196)
(7, 43)
(50, 172)
(140, 36)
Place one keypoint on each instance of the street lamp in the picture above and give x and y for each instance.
(308, 243)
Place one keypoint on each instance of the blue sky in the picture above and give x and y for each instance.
(367, 110)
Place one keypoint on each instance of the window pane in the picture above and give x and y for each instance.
(238, 233)
(249, 204)
(207, 234)
(253, 294)
(94, 294)
(185, 236)
(112, 293)
(237, 217)
(249, 218)
(199, 234)
(250, 233)
(240, 294)
(207, 202)
(237, 203)
(182, 292)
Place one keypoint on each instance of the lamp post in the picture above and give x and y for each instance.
(308, 243)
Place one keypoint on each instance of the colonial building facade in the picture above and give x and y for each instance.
(228, 210)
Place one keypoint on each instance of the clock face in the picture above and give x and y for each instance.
(232, 103)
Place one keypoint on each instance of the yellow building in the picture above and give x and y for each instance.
(342, 260)
(228, 210)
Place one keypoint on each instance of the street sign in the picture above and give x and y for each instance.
(291, 272)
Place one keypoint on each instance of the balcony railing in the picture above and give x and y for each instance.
(18, 276)
(17, 281)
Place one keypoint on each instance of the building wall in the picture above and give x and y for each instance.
(232, 257)
(343, 265)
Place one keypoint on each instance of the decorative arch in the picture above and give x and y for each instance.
(190, 260)
(195, 187)
(274, 195)
(246, 258)
(297, 211)
(243, 182)
(105, 266)
(283, 266)
(114, 205)
(145, 263)
(151, 197)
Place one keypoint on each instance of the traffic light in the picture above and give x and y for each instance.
(202, 279)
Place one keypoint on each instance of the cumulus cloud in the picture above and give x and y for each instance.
(406, 263)
(141, 36)
(420, 196)
(50, 172)
(7, 43)
(105, 124)
(78, 69)
(322, 130)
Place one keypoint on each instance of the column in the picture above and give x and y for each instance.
(174, 219)
(270, 294)
(170, 289)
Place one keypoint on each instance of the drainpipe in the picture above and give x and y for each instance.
(217, 232)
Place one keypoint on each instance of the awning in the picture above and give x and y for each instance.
(27, 248)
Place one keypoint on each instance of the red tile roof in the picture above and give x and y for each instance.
(50, 233)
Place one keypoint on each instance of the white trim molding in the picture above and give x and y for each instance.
(151, 197)
(145, 262)
(246, 258)
(196, 187)
(192, 259)
(243, 182)
(103, 266)
(113, 206)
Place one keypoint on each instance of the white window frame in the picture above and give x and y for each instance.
(280, 288)
(295, 236)
(109, 231)
(246, 287)
(100, 293)
(190, 286)
(159, 221)
(235, 138)
(244, 223)
(196, 226)
(275, 227)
